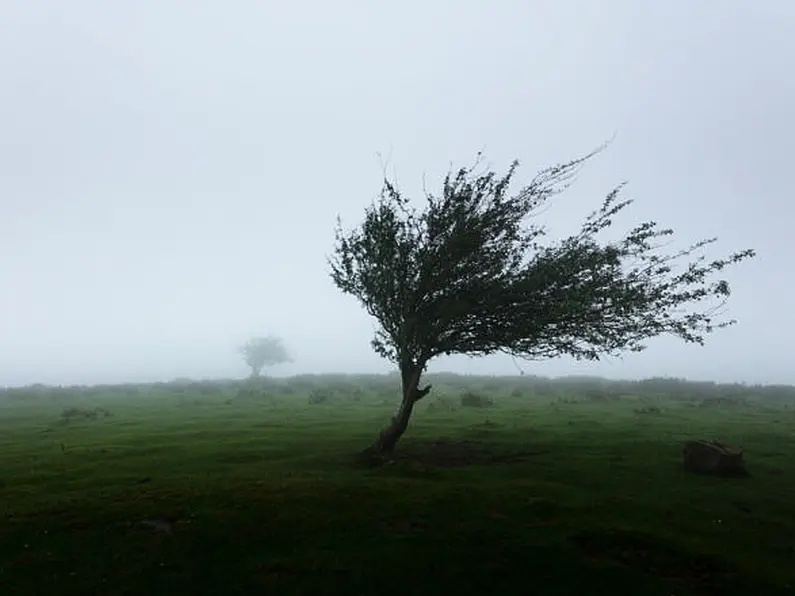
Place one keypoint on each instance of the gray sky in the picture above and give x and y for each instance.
(170, 172)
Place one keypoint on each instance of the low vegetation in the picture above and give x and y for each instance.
(570, 486)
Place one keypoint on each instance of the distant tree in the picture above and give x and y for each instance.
(468, 275)
(260, 352)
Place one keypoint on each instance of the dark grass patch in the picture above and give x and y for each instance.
(340, 541)
(239, 458)
(448, 453)
(702, 573)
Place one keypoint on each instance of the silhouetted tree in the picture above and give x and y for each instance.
(260, 352)
(468, 275)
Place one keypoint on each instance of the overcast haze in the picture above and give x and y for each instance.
(170, 172)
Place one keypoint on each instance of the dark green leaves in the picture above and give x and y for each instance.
(469, 275)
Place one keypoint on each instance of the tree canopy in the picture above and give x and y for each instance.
(471, 274)
(260, 352)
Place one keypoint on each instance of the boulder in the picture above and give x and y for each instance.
(713, 457)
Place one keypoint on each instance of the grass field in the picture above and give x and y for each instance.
(554, 489)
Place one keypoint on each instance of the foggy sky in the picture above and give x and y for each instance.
(170, 172)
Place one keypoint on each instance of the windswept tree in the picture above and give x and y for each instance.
(260, 352)
(469, 275)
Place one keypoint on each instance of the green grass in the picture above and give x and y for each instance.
(554, 498)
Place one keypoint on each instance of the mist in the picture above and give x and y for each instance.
(171, 173)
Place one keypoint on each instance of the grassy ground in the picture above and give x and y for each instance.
(263, 494)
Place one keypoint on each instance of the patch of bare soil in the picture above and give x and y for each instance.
(705, 574)
(447, 453)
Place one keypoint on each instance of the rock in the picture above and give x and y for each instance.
(158, 525)
(713, 457)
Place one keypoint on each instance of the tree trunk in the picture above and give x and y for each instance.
(384, 446)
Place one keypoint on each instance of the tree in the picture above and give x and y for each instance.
(469, 275)
(260, 352)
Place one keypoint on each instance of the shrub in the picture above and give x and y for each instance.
(567, 400)
(441, 404)
(252, 393)
(475, 400)
(206, 388)
(717, 402)
(318, 397)
(70, 414)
